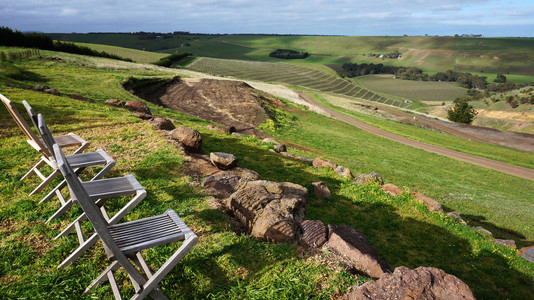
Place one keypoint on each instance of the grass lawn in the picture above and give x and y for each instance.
(225, 265)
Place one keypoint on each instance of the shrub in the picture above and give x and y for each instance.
(462, 112)
(169, 60)
(288, 54)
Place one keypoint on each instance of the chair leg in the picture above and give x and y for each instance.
(61, 210)
(32, 170)
(103, 277)
(45, 182)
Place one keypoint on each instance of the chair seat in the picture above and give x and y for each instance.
(68, 140)
(82, 160)
(132, 237)
(112, 187)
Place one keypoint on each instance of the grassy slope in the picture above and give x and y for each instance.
(224, 265)
(135, 55)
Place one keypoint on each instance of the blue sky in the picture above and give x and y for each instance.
(343, 17)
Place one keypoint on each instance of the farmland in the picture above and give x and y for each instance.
(412, 90)
(289, 74)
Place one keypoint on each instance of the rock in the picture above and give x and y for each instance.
(52, 92)
(272, 150)
(369, 178)
(313, 233)
(456, 215)
(270, 140)
(189, 138)
(222, 184)
(391, 189)
(143, 116)
(40, 88)
(115, 103)
(345, 172)
(321, 190)
(527, 253)
(270, 210)
(430, 203)
(77, 97)
(304, 159)
(137, 106)
(245, 174)
(510, 243)
(162, 123)
(280, 148)
(228, 129)
(237, 135)
(223, 161)
(421, 283)
(354, 245)
(483, 230)
(321, 163)
(287, 154)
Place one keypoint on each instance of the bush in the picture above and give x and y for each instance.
(169, 60)
(462, 112)
(288, 54)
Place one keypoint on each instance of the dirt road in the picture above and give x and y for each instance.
(480, 161)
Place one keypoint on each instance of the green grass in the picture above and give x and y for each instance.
(412, 90)
(133, 54)
(225, 265)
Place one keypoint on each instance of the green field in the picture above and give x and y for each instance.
(225, 265)
(133, 54)
(289, 74)
(412, 90)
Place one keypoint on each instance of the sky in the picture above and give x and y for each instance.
(323, 17)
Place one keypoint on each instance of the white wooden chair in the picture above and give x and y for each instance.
(124, 242)
(99, 190)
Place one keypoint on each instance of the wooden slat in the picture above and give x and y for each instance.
(108, 188)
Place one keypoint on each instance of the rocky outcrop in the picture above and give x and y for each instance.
(421, 283)
(322, 163)
(223, 161)
(354, 245)
(115, 103)
(391, 189)
(345, 172)
(430, 203)
(369, 178)
(320, 190)
(189, 138)
(137, 106)
(313, 233)
(222, 184)
(270, 210)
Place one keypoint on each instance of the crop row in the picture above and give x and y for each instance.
(287, 74)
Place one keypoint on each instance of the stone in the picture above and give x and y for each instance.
(162, 123)
(237, 135)
(270, 210)
(321, 190)
(40, 88)
(280, 148)
(143, 116)
(354, 245)
(221, 184)
(304, 159)
(369, 178)
(137, 106)
(287, 154)
(189, 138)
(322, 163)
(391, 189)
(510, 243)
(115, 103)
(345, 172)
(421, 283)
(223, 161)
(430, 203)
(456, 215)
(77, 97)
(51, 92)
(270, 140)
(527, 253)
(483, 230)
(313, 233)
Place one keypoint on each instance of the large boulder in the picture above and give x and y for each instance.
(270, 210)
(430, 203)
(322, 163)
(223, 161)
(354, 245)
(221, 184)
(313, 233)
(421, 283)
(369, 178)
(161, 123)
(189, 138)
(137, 106)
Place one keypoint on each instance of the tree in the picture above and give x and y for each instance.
(462, 112)
(500, 78)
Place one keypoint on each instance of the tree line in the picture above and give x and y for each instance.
(288, 54)
(15, 38)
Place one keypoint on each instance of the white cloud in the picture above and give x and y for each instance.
(68, 12)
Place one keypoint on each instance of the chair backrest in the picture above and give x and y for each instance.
(23, 125)
(94, 215)
(46, 135)
(31, 113)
